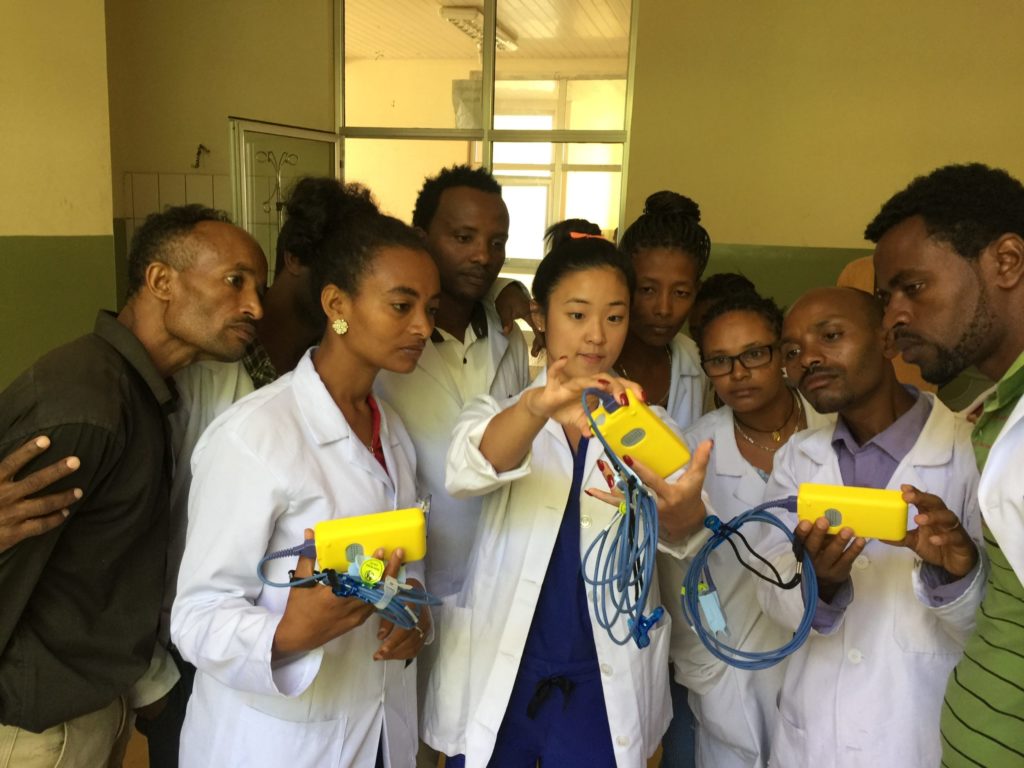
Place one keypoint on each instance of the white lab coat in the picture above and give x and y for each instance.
(735, 709)
(869, 692)
(1001, 490)
(278, 462)
(687, 382)
(205, 390)
(486, 630)
(429, 403)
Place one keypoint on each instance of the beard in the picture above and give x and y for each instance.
(950, 362)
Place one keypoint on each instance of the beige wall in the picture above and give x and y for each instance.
(792, 122)
(54, 132)
(179, 69)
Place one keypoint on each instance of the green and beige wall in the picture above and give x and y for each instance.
(56, 242)
(790, 122)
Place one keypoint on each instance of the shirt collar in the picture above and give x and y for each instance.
(477, 320)
(1009, 388)
(127, 344)
(898, 438)
(258, 364)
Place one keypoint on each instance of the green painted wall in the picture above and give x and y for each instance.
(783, 272)
(50, 290)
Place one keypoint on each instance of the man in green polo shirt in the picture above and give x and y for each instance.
(949, 265)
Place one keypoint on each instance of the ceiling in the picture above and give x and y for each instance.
(543, 29)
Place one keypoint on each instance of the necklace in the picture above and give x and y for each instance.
(621, 370)
(797, 405)
(776, 433)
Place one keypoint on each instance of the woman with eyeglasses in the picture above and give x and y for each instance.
(735, 709)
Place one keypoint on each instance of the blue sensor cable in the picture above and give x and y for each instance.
(699, 597)
(393, 599)
(619, 563)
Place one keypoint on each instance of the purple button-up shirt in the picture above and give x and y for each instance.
(872, 465)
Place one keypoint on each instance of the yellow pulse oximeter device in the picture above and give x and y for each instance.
(339, 542)
(635, 430)
(871, 513)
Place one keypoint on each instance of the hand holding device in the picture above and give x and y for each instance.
(632, 429)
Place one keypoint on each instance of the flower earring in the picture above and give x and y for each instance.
(340, 326)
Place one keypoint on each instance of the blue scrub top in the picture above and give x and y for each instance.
(561, 632)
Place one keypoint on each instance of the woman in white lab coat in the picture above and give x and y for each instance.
(670, 250)
(524, 672)
(735, 709)
(300, 677)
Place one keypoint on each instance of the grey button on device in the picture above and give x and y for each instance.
(633, 437)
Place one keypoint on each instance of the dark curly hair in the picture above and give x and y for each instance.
(315, 206)
(456, 176)
(747, 301)
(162, 237)
(669, 220)
(348, 250)
(967, 206)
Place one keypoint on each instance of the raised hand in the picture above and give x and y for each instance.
(560, 397)
(939, 539)
(680, 508)
(513, 303)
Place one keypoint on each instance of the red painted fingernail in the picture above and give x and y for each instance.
(643, 396)
(605, 382)
(628, 460)
(588, 491)
(624, 399)
(601, 465)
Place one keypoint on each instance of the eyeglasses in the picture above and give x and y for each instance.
(722, 365)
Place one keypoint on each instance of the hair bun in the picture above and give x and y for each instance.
(671, 203)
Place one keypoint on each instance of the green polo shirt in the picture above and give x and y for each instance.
(983, 712)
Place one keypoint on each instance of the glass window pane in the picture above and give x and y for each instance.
(527, 211)
(582, 49)
(539, 195)
(531, 153)
(594, 195)
(272, 163)
(595, 154)
(593, 105)
(394, 169)
(411, 64)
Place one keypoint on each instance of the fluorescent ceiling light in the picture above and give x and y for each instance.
(470, 21)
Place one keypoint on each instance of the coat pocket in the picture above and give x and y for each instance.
(268, 740)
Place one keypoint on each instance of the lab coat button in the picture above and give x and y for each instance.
(584, 521)
(861, 563)
(622, 741)
(606, 669)
(855, 656)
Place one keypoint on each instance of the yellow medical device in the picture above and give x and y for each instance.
(401, 529)
(871, 513)
(635, 430)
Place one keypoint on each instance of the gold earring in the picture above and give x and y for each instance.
(340, 326)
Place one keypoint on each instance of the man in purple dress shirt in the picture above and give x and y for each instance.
(892, 617)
